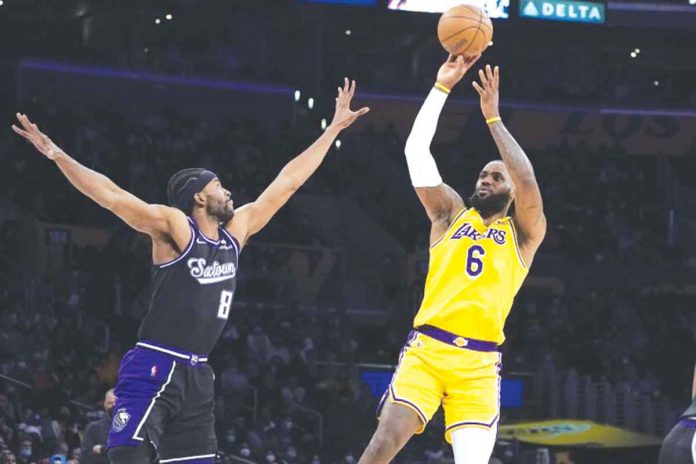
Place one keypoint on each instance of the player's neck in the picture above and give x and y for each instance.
(487, 221)
(208, 225)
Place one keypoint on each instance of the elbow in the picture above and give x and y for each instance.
(526, 181)
(412, 147)
(415, 143)
(108, 201)
(290, 182)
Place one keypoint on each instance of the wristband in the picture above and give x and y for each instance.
(492, 120)
(442, 88)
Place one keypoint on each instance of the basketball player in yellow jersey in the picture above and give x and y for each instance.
(479, 257)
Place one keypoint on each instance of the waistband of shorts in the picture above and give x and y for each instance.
(688, 422)
(455, 340)
(192, 358)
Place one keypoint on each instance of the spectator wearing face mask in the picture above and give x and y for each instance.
(96, 433)
(244, 451)
(25, 453)
(229, 441)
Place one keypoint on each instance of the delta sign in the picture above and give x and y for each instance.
(564, 10)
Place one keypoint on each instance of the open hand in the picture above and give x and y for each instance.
(452, 71)
(488, 89)
(344, 116)
(37, 138)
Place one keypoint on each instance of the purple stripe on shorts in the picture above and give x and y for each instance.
(461, 424)
(405, 401)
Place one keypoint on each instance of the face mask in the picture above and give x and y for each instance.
(245, 452)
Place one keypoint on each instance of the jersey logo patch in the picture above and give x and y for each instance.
(213, 273)
(121, 419)
(225, 246)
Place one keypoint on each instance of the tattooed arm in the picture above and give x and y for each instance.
(529, 207)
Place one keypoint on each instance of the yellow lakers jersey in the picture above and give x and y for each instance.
(475, 272)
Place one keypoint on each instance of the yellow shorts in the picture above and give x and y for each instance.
(465, 382)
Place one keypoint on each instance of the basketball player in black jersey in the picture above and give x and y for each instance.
(165, 398)
(679, 446)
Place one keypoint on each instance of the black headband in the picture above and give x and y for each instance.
(185, 184)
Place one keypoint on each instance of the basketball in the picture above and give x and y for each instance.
(465, 30)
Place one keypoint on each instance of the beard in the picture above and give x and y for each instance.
(223, 213)
(490, 205)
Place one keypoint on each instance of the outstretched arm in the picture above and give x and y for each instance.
(253, 217)
(529, 207)
(154, 220)
(441, 202)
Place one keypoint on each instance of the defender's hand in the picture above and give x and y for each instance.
(37, 138)
(344, 116)
(453, 70)
(488, 89)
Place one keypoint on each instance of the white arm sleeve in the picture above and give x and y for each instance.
(421, 165)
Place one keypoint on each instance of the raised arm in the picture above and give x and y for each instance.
(155, 220)
(253, 217)
(441, 202)
(529, 208)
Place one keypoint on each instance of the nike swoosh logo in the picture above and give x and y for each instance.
(201, 242)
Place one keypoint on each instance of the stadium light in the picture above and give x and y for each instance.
(298, 95)
(634, 54)
(338, 144)
(657, 83)
(692, 2)
(310, 103)
(348, 32)
(157, 21)
(323, 124)
(636, 50)
(490, 44)
(1, 3)
(169, 17)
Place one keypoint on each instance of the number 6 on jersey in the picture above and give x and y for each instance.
(225, 304)
(474, 265)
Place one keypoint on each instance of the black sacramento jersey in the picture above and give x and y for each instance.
(192, 295)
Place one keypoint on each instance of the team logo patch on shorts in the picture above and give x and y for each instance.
(121, 419)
